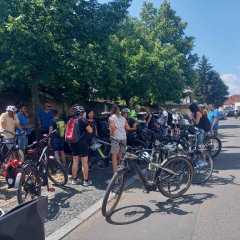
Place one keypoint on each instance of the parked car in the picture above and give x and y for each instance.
(230, 113)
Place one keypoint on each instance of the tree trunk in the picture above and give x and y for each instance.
(35, 100)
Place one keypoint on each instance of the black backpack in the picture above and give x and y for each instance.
(206, 123)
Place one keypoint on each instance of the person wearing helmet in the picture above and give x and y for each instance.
(80, 149)
(134, 112)
(9, 121)
(175, 122)
(45, 116)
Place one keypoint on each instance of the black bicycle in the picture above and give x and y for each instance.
(36, 172)
(172, 177)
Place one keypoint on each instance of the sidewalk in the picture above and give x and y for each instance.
(67, 203)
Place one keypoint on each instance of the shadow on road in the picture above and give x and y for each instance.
(60, 201)
(135, 213)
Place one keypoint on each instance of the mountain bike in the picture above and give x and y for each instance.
(36, 172)
(172, 177)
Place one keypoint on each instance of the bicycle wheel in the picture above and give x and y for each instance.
(28, 184)
(213, 146)
(113, 193)
(57, 173)
(171, 185)
(202, 174)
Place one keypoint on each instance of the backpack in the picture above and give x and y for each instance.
(60, 128)
(170, 119)
(206, 123)
(72, 134)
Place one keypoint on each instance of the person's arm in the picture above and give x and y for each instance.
(112, 127)
(17, 123)
(214, 120)
(149, 119)
(127, 127)
(39, 120)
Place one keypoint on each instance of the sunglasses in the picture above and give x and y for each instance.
(49, 106)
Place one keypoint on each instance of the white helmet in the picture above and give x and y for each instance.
(78, 109)
(11, 108)
(125, 110)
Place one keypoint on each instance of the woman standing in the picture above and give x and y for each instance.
(175, 122)
(199, 124)
(80, 148)
(118, 126)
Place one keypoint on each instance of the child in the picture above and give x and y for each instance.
(57, 139)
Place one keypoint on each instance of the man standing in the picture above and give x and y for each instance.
(24, 122)
(9, 121)
(163, 119)
(45, 116)
(213, 116)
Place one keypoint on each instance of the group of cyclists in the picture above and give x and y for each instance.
(123, 124)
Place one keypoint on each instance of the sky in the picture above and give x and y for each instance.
(215, 24)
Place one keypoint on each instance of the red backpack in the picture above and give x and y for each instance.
(72, 134)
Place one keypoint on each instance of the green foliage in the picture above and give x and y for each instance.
(209, 88)
(81, 50)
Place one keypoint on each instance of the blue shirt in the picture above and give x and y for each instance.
(23, 122)
(213, 114)
(45, 118)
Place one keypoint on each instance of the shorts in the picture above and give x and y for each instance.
(199, 136)
(116, 148)
(57, 144)
(79, 149)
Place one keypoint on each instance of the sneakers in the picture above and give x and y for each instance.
(201, 163)
(87, 183)
(75, 181)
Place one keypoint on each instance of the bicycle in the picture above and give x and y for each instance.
(194, 154)
(11, 157)
(172, 177)
(36, 173)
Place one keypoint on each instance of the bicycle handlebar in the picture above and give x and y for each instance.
(13, 134)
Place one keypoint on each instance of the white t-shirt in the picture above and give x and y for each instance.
(175, 118)
(162, 118)
(120, 122)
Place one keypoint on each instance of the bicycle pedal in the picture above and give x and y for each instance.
(51, 189)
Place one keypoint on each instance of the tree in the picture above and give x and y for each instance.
(210, 88)
(48, 44)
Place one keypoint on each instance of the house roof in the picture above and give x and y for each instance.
(232, 100)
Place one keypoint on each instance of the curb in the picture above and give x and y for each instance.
(78, 220)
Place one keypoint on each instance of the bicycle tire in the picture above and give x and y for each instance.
(166, 179)
(28, 184)
(202, 174)
(210, 147)
(57, 173)
(110, 202)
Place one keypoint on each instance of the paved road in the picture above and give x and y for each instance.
(66, 202)
(209, 211)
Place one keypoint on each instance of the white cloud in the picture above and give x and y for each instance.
(233, 83)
